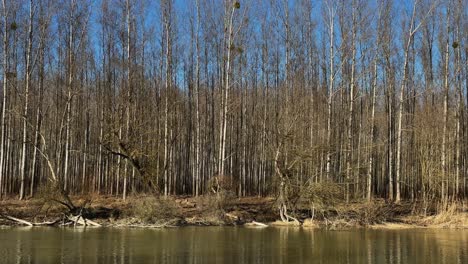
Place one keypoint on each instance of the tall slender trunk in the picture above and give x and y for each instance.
(227, 72)
(168, 80)
(372, 137)
(400, 129)
(26, 102)
(129, 88)
(197, 103)
(69, 97)
(5, 89)
(444, 193)
(36, 147)
(287, 54)
(350, 147)
(85, 151)
(459, 111)
(401, 108)
(119, 162)
(37, 141)
(330, 89)
(99, 159)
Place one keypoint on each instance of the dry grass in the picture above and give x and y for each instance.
(209, 210)
(446, 215)
(309, 223)
(451, 216)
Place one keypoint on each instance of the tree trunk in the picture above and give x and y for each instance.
(372, 137)
(26, 102)
(5, 89)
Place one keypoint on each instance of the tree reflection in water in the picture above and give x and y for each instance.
(231, 245)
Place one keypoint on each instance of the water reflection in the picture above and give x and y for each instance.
(231, 245)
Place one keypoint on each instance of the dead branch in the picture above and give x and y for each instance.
(27, 223)
(21, 221)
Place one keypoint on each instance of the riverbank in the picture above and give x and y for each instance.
(146, 211)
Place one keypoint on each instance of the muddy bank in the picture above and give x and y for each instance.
(142, 211)
(151, 212)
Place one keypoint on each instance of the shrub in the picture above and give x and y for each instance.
(221, 190)
(221, 183)
(154, 209)
(374, 213)
(321, 196)
(52, 192)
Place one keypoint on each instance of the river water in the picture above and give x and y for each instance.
(231, 245)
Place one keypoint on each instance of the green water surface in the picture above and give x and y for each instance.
(231, 245)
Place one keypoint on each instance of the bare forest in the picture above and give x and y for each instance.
(343, 99)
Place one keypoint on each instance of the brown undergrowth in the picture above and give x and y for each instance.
(226, 209)
(446, 215)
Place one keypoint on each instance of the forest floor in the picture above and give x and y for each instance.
(147, 211)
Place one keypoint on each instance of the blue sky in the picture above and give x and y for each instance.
(185, 8)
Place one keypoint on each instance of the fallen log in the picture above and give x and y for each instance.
(87, 221)
(256, 224)
(21, 221)
(27, 223)
(259, 224)
(163, 225)
(47, 223)
(78, 219)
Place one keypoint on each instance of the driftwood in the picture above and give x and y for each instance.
(256, 224)
(47, 223)
(163, 225)
(80, 220)
(21, 221)
(75, 220)
(259, 224)
(27, 223)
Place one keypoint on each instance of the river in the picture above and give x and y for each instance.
(231, 245)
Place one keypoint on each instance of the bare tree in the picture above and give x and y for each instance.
(5, 89)
(26, 100)
(413, 28)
